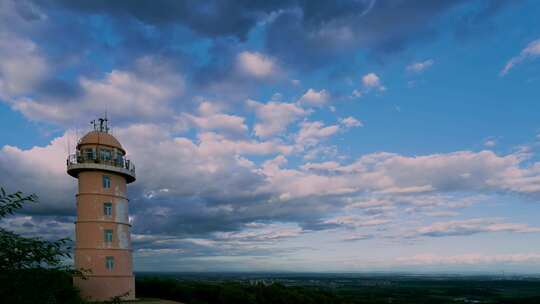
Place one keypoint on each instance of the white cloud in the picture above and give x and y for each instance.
(122, 91)
(45, 226)
(22, 66)
(386, 173)
(329, 165)
(372, 81)
(274, 117)
(123, 94)
(472, 226)
(214, 178)
(530, 52)
(260, 232)
(352, 221)
(311, 133)
(490, 143)
(319, 152)
(256, 64)
(211, 119)
(314, 98)
(41, 170)
(212, 143)
(350, 122)
(418, 67)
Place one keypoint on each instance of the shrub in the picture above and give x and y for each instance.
(31, 269)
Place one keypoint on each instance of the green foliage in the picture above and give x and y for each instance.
(18, 252)
(224, 293)
(31, 269)
(38, 285)
(13, 201)
(344, 290)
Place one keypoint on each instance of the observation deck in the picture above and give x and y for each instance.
(77, 163)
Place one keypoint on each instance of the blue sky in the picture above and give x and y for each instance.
(287, 136)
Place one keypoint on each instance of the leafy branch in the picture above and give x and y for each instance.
(11, 202)
(18, 252)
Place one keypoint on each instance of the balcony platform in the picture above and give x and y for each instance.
(75, 166)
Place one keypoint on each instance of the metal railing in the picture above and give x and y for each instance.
(119, 162)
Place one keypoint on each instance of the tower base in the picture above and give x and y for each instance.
(104, 288)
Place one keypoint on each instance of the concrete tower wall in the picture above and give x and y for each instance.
(103, 244)
(92, 249)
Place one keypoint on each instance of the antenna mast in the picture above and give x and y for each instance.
(101, 124)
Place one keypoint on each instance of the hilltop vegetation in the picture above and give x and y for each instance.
(232, 292)
(327, 289)
(31, 269)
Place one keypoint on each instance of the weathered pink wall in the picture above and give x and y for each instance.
(91, 249)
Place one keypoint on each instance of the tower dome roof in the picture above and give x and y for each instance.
(100, 138)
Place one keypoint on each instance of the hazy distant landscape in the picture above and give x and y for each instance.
(338, 288)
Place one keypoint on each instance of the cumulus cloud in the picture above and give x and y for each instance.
(370, 82)
(22, 66)
(314, 98)
(211, 119)
(312, 132)
(350, 122)
(256, 64)
(41, 170)
(330, 165)
(274, 117)
(211, 179)
(419, 67)
(387, 173)
(198, 173)
(123, 94)
(532, 51)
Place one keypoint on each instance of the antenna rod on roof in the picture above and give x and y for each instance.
(106, 122)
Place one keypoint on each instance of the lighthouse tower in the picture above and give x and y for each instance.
(103, 243)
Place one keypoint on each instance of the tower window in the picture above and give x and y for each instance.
(107, 209)
(119, 159)
(105, 154)
(108, 236)
(106, 181)
(109, 262)
(89, 153)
